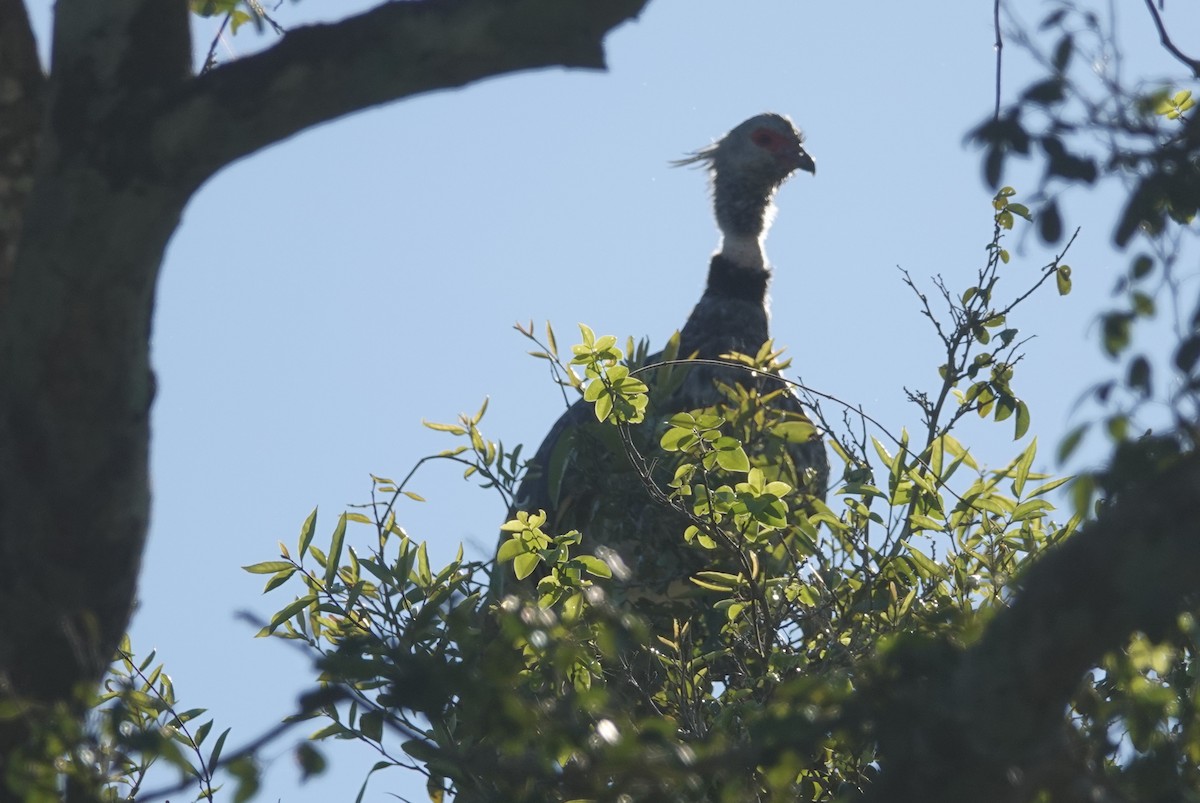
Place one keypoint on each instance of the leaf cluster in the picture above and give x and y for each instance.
(749, 688)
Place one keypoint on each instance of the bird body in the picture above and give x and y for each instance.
(581, 475)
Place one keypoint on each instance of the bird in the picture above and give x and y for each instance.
(582, 478)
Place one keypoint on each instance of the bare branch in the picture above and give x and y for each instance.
(999, 54)
(1191, 63)
(210, 60)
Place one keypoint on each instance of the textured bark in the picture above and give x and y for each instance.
(991, 728)
(322, 72)
(21, 106)
(126, 135)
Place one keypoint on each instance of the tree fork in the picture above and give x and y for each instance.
(124, 135)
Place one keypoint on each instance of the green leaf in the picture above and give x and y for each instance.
(237, 19)
(717, 581)
(1049, 486)
(310, 760)
(604, 403)
(307, 531)
(371, 725)
(214, 757)
(1141, 267)
(884, 454)
(1071, 442)
(424, 574)
(453, 429)
(572, 607)
(245, 770)
(420, 749)
(734, 458)
(1021, 470)
(202, 733)
(291, 609)
(212, 8)
(676, 439)
(795, 431)
(1022, 425)
(1033, 509)
(379, 572)
(1062, 277)
(1005, 407)
(926, 567)
(335, 550)
(1116, 332)
(523, 565)
(1020, 209)
(595, 566)
(332, 729)
(925, 523)
(1118, 427)
(268, 567)
(510, 549)
(279, 579)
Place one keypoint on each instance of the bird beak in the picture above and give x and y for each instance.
(802, 161)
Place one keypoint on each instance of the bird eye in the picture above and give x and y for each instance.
(763, 138)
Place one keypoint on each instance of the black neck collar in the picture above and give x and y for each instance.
(731, 280)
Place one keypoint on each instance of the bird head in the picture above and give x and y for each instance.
(763, 150)
(747, 165)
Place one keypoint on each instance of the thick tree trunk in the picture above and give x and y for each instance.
(22, 93)
(74, 349)
(123, 136)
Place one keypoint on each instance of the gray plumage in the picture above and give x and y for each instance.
(581, 475)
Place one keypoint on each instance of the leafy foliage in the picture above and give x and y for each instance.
(815, 631)
(758, 694)
(136, 723)
(819, 633)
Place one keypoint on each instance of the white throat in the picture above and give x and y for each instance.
(744, 251)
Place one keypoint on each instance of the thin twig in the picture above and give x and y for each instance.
(210, 60)
(248, 751)
(999, 52)
(262, 14)
(1165, 38)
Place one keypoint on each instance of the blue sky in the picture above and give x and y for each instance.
(324, 296)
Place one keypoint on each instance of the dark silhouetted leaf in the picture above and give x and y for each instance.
(1062, 53)
(992, 166)
(1050, 223)
(1046, 92)
(1139, 375)
(1187, 354)
(1141, 267)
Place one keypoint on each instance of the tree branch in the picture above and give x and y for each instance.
(1165, 38)
(997, 715)
(999, 54)
(322, 72)
(127, 135)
